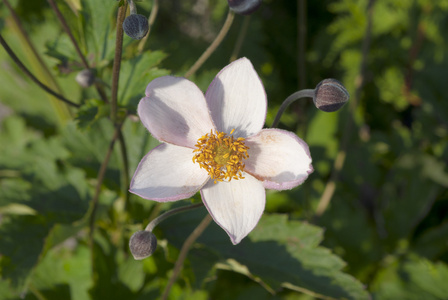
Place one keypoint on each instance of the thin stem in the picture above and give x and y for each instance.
(151, 20)
(124, 157)
(170, 213)
(100, 178)
(68, 31)
(31, 76)
(305, 291)
(330, 188)
(75, 44)
(183, 253)
(28, 41)
(94, 204)
(117, 61)
(293, 97)
(225, 28)
(240, 39)
(43, 72)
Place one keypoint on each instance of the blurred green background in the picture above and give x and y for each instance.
(370, 222)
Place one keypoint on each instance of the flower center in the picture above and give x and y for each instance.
(221, 155)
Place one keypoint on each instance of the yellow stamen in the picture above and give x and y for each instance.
(221, 155)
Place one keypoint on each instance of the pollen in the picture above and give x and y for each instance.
(221, 155)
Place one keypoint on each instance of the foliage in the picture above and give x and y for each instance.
(384, 233)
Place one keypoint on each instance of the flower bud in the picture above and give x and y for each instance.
(244, 7)
(330, 95)
(136, 26)
(85, 78)
(142, 244)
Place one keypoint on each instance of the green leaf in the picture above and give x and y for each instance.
(432, 243)
(135, 75)
(413, 278)
(130, 272)
(115, 276)
(98, 28)
(66, 268)
(429, 277)
(47, 186)
(90, 112)
(278, 251)
(410, 171)
(140, 142)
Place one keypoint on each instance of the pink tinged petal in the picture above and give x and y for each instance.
(237, 99)
(278, 158)
(236, 206)
(167, 173)
(174, 111)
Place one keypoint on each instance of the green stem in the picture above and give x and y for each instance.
(293, 97)
(225, 28)
(31, 76)
(117, 62)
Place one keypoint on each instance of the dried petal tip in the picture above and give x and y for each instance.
(244, 7)
(136, 26)
(85, 78)
(142, 244)
(330, 95)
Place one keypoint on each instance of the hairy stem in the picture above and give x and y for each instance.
(170, 213)
(183, 253)
(117, 61)
(31, 76)
(132, 7)
(291, 98)
(201, 60)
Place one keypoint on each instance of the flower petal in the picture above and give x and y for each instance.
(167, 173)
(278, 158)
(237, 99)
(174, 111)
(236, 206)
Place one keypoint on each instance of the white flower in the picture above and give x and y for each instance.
(220, 136)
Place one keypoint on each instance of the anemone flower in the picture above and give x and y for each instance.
(215, 144)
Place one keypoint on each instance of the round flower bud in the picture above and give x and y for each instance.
(142, 244)
(330, 95)
(85, 78)
(244, 7)
(136, 26)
